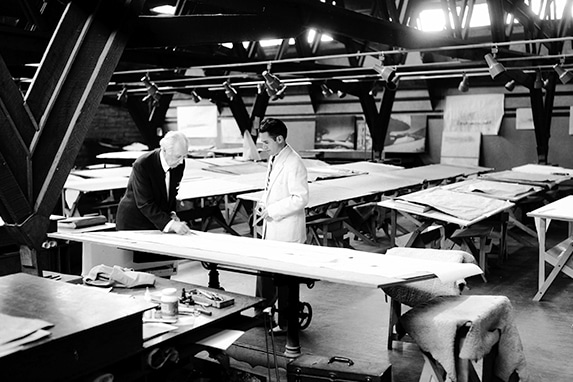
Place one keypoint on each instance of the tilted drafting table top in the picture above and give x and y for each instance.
(339, 265)
(439, 172)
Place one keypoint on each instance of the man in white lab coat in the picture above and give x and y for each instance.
(282, 206)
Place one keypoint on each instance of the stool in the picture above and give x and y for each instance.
(495, 226)
(415, 293)
(452, 330)
(330, 230)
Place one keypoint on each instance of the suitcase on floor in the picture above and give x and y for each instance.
(315, 368)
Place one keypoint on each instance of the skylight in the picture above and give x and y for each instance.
(433, 20)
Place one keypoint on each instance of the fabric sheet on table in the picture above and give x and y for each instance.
(116, 276)
(415, 293)
(434, 326)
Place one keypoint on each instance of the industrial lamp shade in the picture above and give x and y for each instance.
(275, 88)
(509, 86)
(387, 73)
(229, 91)
(564, 75)
(464, 85)
(495, 68)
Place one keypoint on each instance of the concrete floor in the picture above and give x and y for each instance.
(353, 321)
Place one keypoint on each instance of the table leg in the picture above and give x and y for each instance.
(563, 258)
(292, 348)
(393, 222)
(541, 227)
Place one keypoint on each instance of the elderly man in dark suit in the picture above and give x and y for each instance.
(149, 201)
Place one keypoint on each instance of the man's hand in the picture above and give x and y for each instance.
(180, 228)
(263, 214)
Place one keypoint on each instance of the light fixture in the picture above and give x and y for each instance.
(564, 75)
(196, 98)
(153, 93)
(122, 95)
(275, 88)
(464, 84)
(229, 90)
(326, 91)
(388, 74)
(538, 83)
(510, 85)
(495, 68)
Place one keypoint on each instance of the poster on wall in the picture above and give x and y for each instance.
(481, 113)
(335, 132)
(230, 132)
(197, 121)
(460, 148)
(406, 134)
(524, 119)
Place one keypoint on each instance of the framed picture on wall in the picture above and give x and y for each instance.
(335, 132)
(406, 134)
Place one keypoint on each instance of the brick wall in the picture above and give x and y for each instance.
(111, 129)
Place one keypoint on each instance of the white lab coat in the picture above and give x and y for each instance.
(286, 198)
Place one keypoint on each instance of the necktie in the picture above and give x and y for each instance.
(167, 178)
(272, 159)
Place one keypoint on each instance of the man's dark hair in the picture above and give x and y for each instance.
(274, 127)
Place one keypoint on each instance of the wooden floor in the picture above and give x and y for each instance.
(352, 321)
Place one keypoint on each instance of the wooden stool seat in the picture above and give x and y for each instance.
(415, 293)
(453, 331)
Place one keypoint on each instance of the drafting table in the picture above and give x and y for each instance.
(107, 172)
(513, 192)
(440, 200)
(560, 255)
(532, 178)
(75, 188)
(544, 169)
(211, 191)
(96, 332)
(438, 173)
(121, 155)
(368, 167)
(291, 260)
(337, 194)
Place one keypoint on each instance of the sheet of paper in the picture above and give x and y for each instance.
(13, 328)
(223, 339)
(153, 329)
(461, 148)
(15, 345)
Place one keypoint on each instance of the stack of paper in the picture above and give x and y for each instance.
(18, 331)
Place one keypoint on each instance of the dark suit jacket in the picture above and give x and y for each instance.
(144, 205)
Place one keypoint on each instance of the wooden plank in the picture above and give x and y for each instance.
(17, 129)
(14, 200)
(81, 91)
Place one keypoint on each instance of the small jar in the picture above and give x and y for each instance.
(169, 303)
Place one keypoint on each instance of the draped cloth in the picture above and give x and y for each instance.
(434, 326)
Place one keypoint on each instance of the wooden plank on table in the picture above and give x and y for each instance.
(339, 265)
